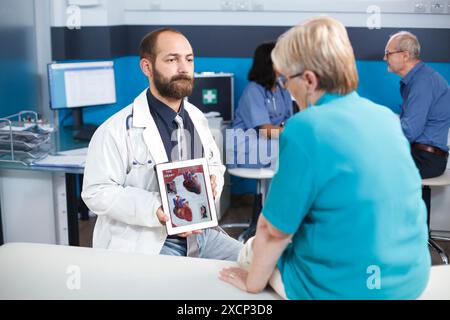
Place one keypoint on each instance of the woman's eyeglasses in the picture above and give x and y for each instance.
(282, 80)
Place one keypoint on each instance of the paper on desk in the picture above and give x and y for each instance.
(23, 127)
(212, 114)
(74, 152)
(76, 161)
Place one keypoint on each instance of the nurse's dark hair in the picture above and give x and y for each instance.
(147, 48)
(262, 70)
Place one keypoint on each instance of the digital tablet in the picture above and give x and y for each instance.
(186, 195)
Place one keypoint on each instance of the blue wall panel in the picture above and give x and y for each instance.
(18, 86)
(376, 84)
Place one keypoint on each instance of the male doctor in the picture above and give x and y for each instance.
(120, 183)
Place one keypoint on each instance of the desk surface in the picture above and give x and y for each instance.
(262, 173)
(37, 271)
(61, 140)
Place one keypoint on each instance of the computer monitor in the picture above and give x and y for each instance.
(75, 85)
(214, 92)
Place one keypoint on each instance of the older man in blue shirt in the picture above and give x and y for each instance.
(425, 112)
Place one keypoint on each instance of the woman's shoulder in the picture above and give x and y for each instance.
(378, 108)
(300, 123)
(253, 87)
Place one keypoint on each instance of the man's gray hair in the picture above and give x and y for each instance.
(406, 41)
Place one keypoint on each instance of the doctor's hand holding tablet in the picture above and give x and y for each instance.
(164, 218)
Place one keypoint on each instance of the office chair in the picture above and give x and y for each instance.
(442, 180)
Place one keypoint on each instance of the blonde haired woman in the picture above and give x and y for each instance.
(344, 217)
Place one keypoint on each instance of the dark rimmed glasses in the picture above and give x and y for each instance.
(387, 53)
(282, 80)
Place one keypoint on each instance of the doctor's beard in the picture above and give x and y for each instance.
(177, 87)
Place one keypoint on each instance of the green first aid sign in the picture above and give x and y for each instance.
(209, 96)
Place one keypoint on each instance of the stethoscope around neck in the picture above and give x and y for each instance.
(270, 97)
(147, 160)
(135, 160)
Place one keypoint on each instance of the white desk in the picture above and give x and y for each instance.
(261, 173)
(40, 204)
(37, 271)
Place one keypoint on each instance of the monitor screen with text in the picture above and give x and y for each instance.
(81, 84)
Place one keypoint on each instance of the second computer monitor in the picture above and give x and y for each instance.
(214, 92)
(81, 84)
(74, 85)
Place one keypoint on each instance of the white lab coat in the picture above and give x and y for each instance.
(125, 196)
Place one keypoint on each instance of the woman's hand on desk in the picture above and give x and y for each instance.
(163, 218)
(235, 276)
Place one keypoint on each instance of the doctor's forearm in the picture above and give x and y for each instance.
(129, 205)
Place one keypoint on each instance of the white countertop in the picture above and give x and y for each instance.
(261, 173)
(39, 271)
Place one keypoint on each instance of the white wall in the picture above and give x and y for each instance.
(94, 13)
(394, 13)
(16, 13)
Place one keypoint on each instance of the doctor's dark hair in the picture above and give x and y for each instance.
(147, 48)
(262, 70)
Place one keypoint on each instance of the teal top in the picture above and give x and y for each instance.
(349, 192)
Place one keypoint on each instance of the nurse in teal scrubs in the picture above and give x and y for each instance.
(344, 218)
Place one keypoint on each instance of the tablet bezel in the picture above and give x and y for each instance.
(165, 198)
